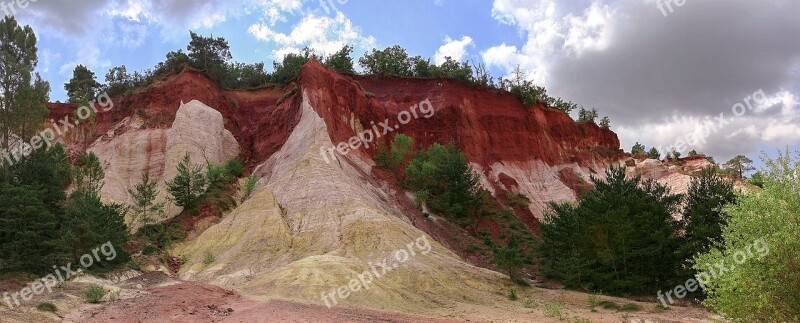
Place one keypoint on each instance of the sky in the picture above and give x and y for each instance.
(718, 76)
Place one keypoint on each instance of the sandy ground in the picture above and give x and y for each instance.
(156, 297)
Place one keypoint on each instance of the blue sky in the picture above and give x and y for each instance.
(659, 70)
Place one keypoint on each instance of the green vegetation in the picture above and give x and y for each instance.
(704, 216)
(621, 237)
(512, 294)
(94, 294)
(510, 259)
(394, 159)
(208, 258)
(82, 86)
(47, 307)
(638, 149)
(144, 196)
(248, 186)
(769, 221)
(188, 187)
(740, 164)
(757, 179)
(445, 180)
(654, 154)
(555, 311)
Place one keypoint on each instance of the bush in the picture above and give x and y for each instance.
(208, 258)
(512, 294)
(450, 185)
(621, 237)
(766, 286)
(248, 186)
(94, 294)
(47, 307)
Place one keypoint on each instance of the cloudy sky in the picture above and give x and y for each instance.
(665, 74)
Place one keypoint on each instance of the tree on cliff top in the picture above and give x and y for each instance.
(741, 164)
(82, 86)
(209, 54)
(390, 61)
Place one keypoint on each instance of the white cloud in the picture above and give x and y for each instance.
(504, 56)
(89, 56)
(325, 35)
(453, 48)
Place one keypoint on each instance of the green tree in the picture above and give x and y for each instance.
(757, 179)
(510, 259)
(763, 228)
(452, 69)
(653, 153)
(289, 69)
(88, 176)
(29, 230)
(740, 164)
(188, 187)
(620, 237)
(392, 159)
(144, 197)
(341, 62)
(693, 153)
(638, 149)
(442, 176)
(390, 61)
(527, 92)
(30, 104)
(18, 59)
(209, 54)
(704, 215)
(118, 81)
(89, 224)
(246, 76)
(605, 123)
(82, 86)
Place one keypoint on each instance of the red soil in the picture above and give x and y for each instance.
(191, 302)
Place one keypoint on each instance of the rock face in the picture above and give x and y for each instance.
(316, 222)
(197, 130)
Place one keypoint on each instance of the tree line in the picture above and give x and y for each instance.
(212, 55)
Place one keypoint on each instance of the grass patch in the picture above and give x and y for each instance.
(517, 199)
(47, 307)
(208, 258)
(555, 311)
(594, 301)
(529, 303)
(512, 294)
(609, 305)
(94, 294)
(630, 307)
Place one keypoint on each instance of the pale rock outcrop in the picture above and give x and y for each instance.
(311, 227)
(197, 130)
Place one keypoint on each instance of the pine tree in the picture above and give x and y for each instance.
(82, 86)
(89, 175)
(144, 196)
(704, 216)
(189, 186)
(18, 59)
(621, 237)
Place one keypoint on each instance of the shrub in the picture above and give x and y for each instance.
(248, 186)
(208, 258)
(188, 186)
(621, 237)
(555, 311)
(769, 274)
(529, 303)
(394, 158)
(443, 173)
(630, 307)
(512, 294)
(47, 307)
(94, 294)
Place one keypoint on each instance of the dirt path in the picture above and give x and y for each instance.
(191, 302)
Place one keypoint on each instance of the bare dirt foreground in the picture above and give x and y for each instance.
(157, 297)
(192, 302)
